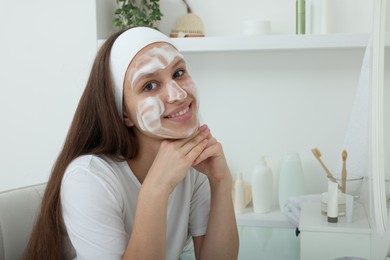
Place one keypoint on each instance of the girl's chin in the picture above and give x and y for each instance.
(172, 134)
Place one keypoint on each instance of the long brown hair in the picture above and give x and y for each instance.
(96, 129)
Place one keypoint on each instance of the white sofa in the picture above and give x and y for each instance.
(18, 210)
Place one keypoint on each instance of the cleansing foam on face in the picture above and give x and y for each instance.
(163, 99)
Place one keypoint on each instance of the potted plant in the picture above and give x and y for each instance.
(137, 13)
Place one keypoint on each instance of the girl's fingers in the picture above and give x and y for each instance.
(197, 150)
(194, 141)
(211, 151)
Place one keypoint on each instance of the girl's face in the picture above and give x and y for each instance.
(159, 94)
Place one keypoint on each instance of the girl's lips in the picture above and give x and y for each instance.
(181, 114)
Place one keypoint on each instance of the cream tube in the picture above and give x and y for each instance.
(332, 210)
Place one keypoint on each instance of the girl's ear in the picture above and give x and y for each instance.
(126, 119)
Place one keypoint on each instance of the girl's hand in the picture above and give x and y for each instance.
(175, 158)
(212, 162)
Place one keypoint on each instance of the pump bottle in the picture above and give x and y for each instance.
(262, 187)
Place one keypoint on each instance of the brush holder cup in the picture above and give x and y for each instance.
(340, 203)
(353, 185)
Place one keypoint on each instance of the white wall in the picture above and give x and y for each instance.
(46, 49)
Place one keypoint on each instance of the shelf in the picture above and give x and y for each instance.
(274, 219)
(273, 42)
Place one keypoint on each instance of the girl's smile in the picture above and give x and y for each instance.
(181, 114)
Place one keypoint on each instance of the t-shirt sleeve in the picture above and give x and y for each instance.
(200, 205)
(92, 214)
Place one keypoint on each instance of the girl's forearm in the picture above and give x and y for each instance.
(221, 240)
(148, 237)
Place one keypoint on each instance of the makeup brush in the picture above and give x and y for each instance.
(317, 154)
(344, 172)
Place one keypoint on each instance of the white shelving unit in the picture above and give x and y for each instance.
(273, 42)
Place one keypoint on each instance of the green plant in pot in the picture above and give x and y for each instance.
(137, 13)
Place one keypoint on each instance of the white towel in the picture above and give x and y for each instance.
(292, 207)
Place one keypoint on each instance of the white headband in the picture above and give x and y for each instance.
(125, 47)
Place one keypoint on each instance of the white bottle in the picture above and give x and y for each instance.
(291, 182)
(239, 194)
(262, 184)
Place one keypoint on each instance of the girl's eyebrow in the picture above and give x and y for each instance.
(143, 77)
(178, 62)
(149, 75)
(141, 74)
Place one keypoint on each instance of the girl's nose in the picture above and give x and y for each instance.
(175, 92)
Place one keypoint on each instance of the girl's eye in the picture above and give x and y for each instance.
(150, 86)
(178, 74)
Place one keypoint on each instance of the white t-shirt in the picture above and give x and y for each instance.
(99, 198)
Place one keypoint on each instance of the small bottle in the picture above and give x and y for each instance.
(291, 178)
(239, 194)
(300, 16)
(262, 184)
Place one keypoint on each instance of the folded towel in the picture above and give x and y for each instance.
(292, 207)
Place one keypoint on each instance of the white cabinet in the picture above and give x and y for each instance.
(321, 240)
